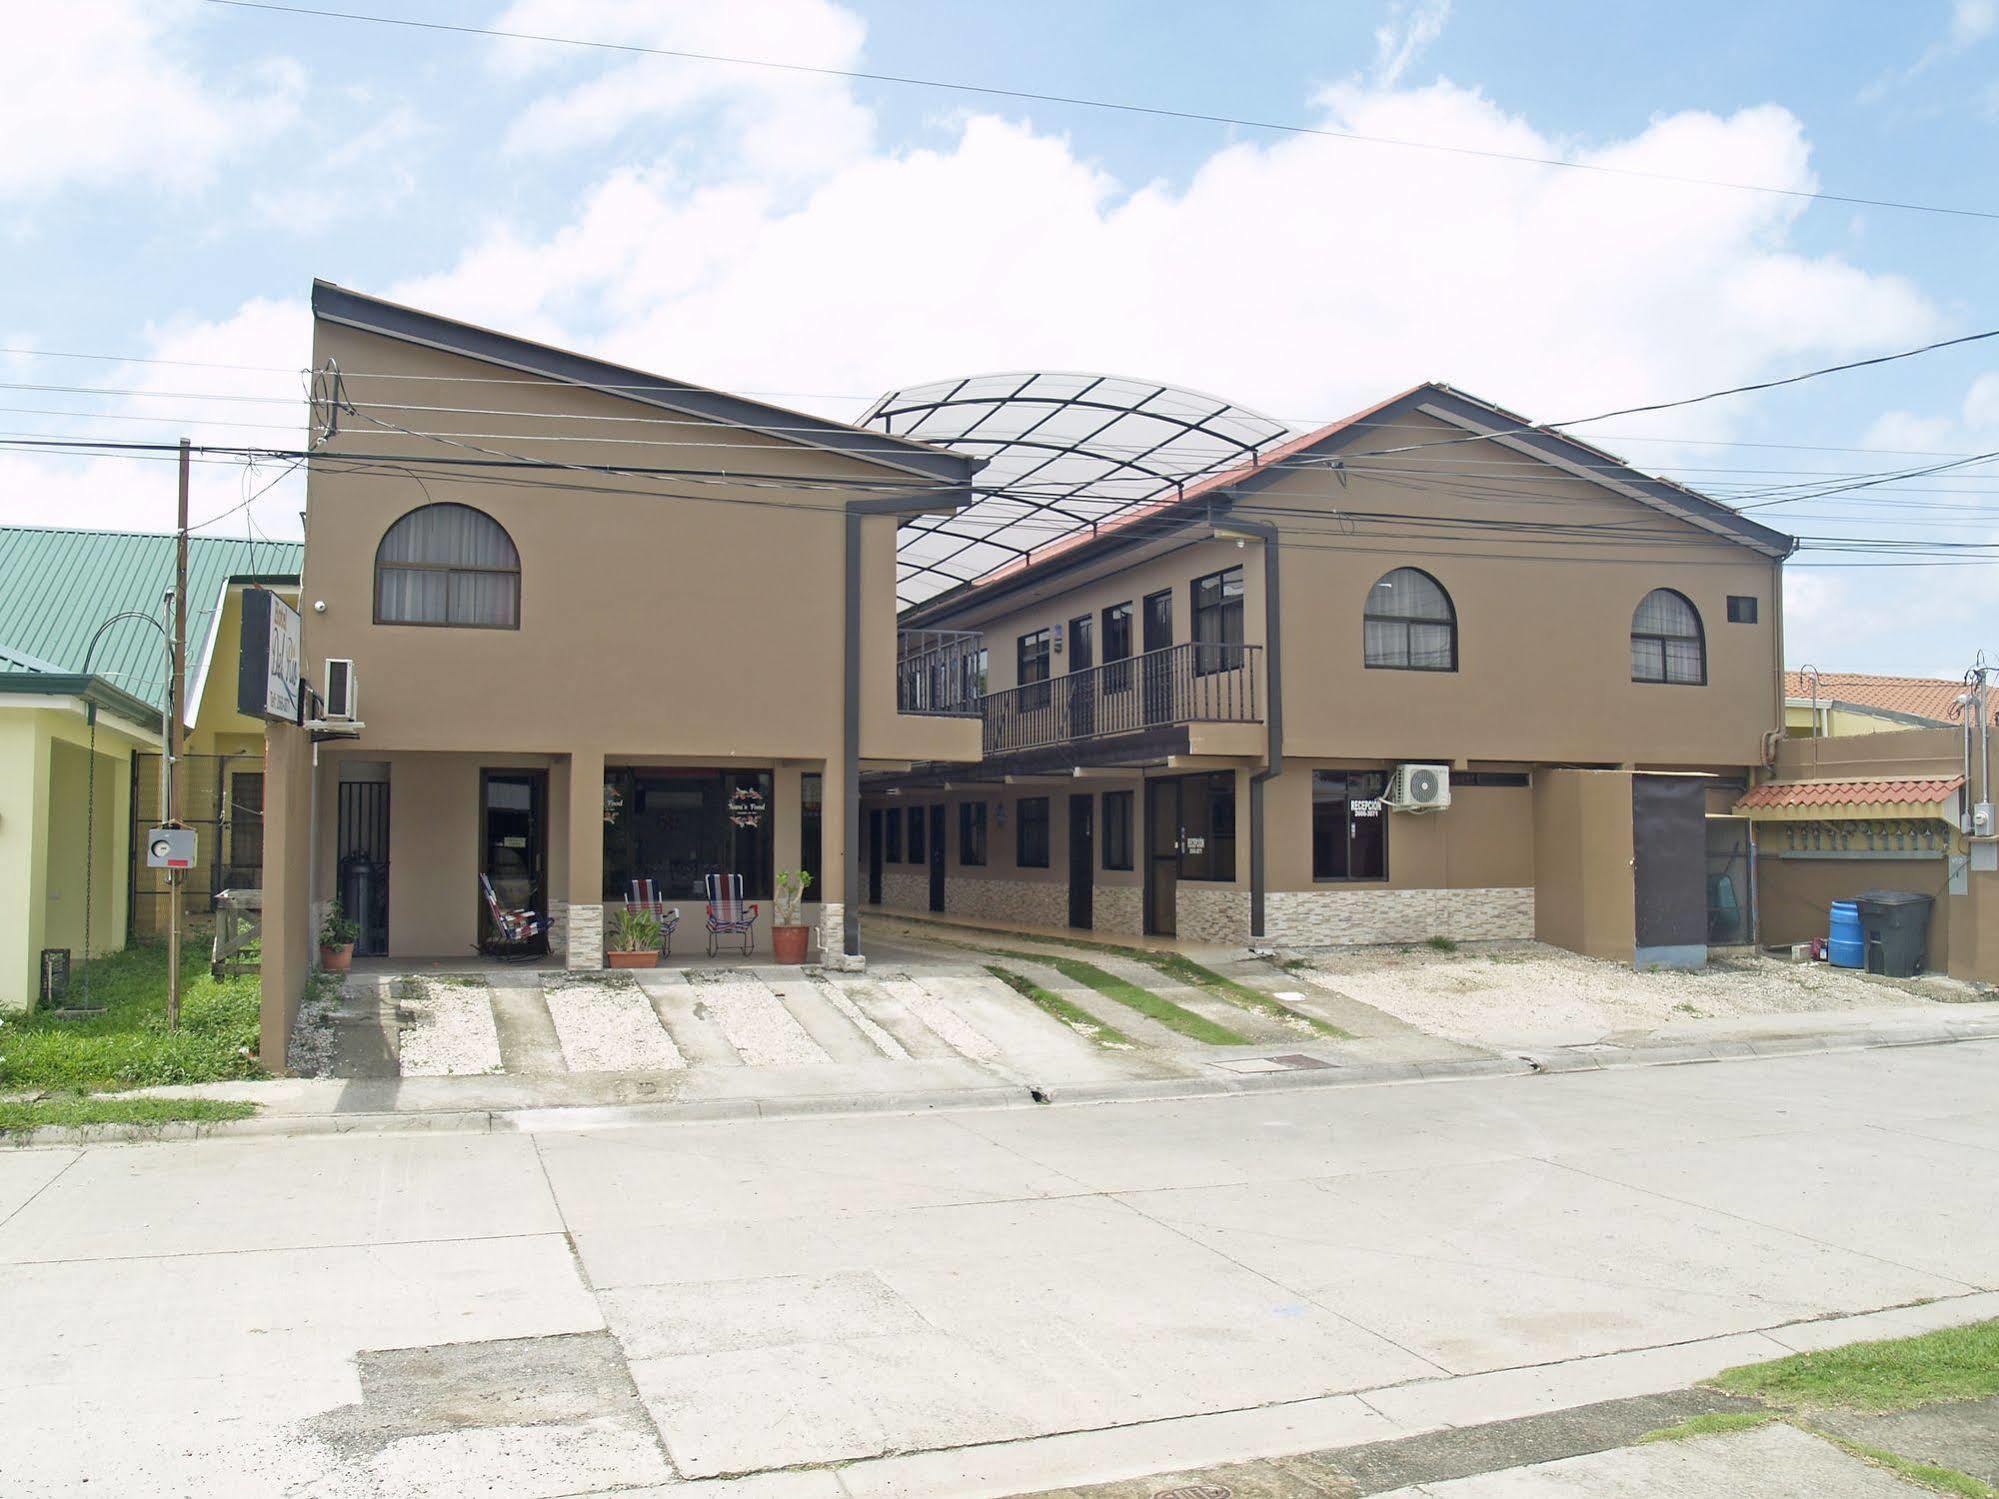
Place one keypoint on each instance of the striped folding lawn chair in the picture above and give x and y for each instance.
(728, 915)
(644, 896)
(522, 934)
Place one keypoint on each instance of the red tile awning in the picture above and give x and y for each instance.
(1851, 797)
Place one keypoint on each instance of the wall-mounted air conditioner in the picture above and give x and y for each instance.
(1420, 788)
(342, 691)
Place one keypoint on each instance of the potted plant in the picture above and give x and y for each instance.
(789, 934)
(337, 936)
(634, 940)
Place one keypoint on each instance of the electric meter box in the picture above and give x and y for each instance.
(170, 848)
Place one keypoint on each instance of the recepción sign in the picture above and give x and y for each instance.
(267, 674)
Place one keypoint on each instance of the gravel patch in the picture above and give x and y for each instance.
(309, 1051)
(610, 1027)
(1486, 991)
(754, 1019)
(445, 1029)
(951, 1027)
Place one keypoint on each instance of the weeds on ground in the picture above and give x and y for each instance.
(1075, 1017)
(1198, 976)
(129, 1045)
(77, 1110)
(1155, 1007)
(1440, 944)
(1713, 1423)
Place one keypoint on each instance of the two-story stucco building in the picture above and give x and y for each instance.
(1197, 710)
(602, 625)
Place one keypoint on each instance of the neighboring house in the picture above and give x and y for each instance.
(1197, 712)
(1830, 705)
(57, 587)
(1883, 811)
(605, 626)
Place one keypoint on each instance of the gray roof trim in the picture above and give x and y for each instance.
(87, 689)
(1588, 462)
(336, 304)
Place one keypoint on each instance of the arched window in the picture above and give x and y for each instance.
(1409, 624)
(448, 565)
(1666, 641)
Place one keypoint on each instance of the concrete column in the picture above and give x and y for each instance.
(584, 919)
(290, 931)
(24, 793)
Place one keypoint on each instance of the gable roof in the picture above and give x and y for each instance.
(352, 309)
(58, 586)
(1478, 418)
(1933, 700)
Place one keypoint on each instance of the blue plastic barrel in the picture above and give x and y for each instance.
(1846, 946)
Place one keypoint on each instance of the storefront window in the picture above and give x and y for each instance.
(1207, 816)
(676, 826)
(1349, 825)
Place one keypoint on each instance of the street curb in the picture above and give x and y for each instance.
(1028, 1094)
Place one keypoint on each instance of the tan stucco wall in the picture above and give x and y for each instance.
(1583, 894)
(288, 934)
(1897, 752)
(1796, 895)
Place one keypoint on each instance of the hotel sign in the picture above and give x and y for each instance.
(267, 673)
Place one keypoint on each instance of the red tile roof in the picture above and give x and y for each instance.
(1852, 793)
(1926, 697)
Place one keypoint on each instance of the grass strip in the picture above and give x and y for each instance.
(1952, 1363)
(1185, 970)
(1713, 1423)
(1075, 1017)
(75, 1111)
(1153, 1006)
(128, 1045)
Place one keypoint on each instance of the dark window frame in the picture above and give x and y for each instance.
(919, 837)
(1035, 649)
(1228, 614)
(1082, 644)
(1742, 608)
(1119, 637)
(972, 835)
(1407, 622)
(448, 571)
(811, 829)
(1119, 810)
(1162, 616)
(892, 836)
(1663, 641)
(1201, 798)
(1349, 781)
(1023, 856)
(727, 846)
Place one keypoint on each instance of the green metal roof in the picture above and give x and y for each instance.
(57, 587)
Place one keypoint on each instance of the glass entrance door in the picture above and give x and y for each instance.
(513, 846)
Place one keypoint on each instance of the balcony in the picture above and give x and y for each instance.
(940, 672)
(1183, 684)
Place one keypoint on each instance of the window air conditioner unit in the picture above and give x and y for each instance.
(342, 692)
(1420, 788)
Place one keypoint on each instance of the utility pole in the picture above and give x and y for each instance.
(176, 734)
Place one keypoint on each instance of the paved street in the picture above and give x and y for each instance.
(966, 1303)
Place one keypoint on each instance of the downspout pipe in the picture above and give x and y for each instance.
(1273, 662)
(850, 769)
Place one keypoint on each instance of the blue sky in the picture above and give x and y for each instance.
(188, 168)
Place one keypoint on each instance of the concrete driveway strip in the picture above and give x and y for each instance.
(611, 1309)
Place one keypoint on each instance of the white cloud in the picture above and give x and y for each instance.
(97, 92)
(1411, 26)
(778, 124)
(1971, 22)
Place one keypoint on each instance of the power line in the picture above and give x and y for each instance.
(1116, 106)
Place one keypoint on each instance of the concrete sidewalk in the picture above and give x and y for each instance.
(969, 1303)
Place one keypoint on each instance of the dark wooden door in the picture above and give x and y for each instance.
(1082, 861)
(1162, 857)
(936, 821)
(875, 857)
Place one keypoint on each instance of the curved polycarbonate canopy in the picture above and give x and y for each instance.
(1064, 454)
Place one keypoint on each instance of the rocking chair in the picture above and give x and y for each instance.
(523, 934)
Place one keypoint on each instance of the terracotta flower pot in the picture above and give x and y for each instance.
(337, 959)
(788, 943)
(647, 958)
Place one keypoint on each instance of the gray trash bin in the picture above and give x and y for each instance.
(1896, 927)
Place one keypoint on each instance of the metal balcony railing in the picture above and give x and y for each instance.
(940, 671)
(1182, 684)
